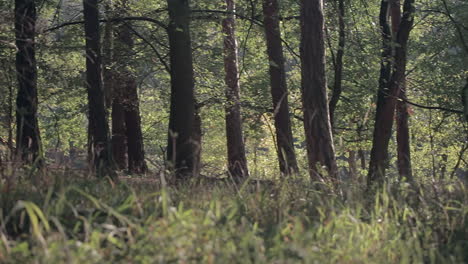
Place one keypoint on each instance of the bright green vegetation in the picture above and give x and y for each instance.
(136, 221)
(52, 217)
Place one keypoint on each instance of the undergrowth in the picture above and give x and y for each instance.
(94, 221)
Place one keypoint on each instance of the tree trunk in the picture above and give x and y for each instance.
(108, 54)
(28, 139)
(279, 90)
(386, 101)
(10, 121)
(352, 164)
(379, 150)
(361, 153)
(403, 142)
(180, 151)
(337, 85)
(98, 126)
(320, 149)
(113, 92)
(443, 166)
(119, 146)
(465, 99)
(130, 101)
(136, 153)
(197, 141)
(237, 162)
(362, 157)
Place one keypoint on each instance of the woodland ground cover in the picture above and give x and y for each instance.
(69, 219)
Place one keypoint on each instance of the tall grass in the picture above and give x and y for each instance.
(90, 221)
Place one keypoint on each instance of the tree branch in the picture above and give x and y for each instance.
(430, 107)
(118, 19)
(160, 57)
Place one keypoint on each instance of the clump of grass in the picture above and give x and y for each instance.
(94, 222)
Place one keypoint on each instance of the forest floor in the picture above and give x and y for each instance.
(70, 219)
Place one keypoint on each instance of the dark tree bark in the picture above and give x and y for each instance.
(237, 162)
(28, 139)
(338, 65)
(180, 150)
(389, 91)
(113, 91)
(121, 86)
(134, 135)
(98, 126)
(362, 157)
(197, 140)
(108, 56)
(379, 152)
(465, 99)
(352, 164)
(119, 144)
(403, 141)
(130, 101)
(10, 120)
(279, 90)
(443, 165)
(361, 153)
(320, 149)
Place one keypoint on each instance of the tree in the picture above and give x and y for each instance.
(28, 139)
(465, 99)
(114, 88)
(278, 87)
(403, 143)
(317, 127)
(237, 162)
(180, 150)
(135, 149)
(119, 137)
(389, 88)
(121, 91)
(126, 97)
(98, 128)
(338, 62)
(197, 139)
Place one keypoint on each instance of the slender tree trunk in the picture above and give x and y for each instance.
(279, 90)
(10, 122)
(403, 141)
(134, 135)
(197, 141)
(119, 146)
(337, 84)
(362, 157)
(28, 139)
(379, 148)
(352, 164)
(108, 54)
(443, 166)
(389, 92)
(465, 99)
(403, 144)
(113, 91)
(131, 102)
(320, 149)
(237, 162)
(98, 126)
(180, 150)
(121, 88)
(361, 153)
